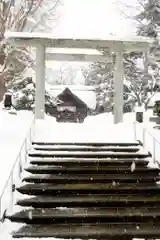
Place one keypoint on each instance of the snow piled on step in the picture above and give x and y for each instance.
(79, 153)
(100, 128)
(70, 147)
(17, 209)
(50, 131)
(7, 228)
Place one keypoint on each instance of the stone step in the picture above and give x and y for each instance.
(87, 148)
(82, 154)
(52, 238)
(95, 144)
(88, 188)
(105, 169)
(87, 191)
(90, 231)
(89, 178)
(82, 200)
(90, 215)
(90, 161)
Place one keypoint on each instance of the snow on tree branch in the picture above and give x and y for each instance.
(22, 15)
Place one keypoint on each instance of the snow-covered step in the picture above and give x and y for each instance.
(47, 238)
(103, 169)
(87, 192)
(90, 161)
(88, 143)
(91, 200)
(90, 214)
(92, 178)
(87, 148)
(88, 188)
(90, 231)
(38, 153)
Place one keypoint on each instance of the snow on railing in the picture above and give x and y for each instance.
(7, 195)
(149, 141)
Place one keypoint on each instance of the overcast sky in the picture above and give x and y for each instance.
(93, 18)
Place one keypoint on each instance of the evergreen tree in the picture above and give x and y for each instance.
(143, 84)
(149, 18)
(24, 94)
(100, 75)
(141, 74)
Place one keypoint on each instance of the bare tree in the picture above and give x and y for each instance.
(26, 15)
(130, 11)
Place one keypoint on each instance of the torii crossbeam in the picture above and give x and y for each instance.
(113, 44)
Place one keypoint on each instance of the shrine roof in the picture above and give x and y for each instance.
(86, 94)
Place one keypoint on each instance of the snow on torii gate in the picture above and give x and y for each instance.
(111, 43)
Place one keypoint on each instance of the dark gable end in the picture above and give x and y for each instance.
(84, 96)
(68, 92)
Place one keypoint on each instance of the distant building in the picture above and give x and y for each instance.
(74, 102)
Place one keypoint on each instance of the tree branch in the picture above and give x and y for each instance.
(57, 2)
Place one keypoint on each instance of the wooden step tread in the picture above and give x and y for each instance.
(38, 153)
(87, 231)
(51, 178)
(89, 186)
(99, 212)
(89, 161)
(53, 238)
(40, 169)
(88, 200)
(86, 148)
(136, 143)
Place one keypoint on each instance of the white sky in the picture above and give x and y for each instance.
(93, 18)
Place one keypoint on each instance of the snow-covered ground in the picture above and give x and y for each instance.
(100, 128)
(13, 129)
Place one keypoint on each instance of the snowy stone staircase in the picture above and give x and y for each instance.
(86, 191)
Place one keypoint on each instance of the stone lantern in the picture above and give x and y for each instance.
(8, 100)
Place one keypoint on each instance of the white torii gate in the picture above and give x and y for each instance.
(43, 40)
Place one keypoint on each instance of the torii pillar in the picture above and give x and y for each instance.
(118, 87)
(40, 82)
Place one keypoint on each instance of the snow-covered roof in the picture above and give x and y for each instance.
(156, 97)
(50, 40)
(85, 93)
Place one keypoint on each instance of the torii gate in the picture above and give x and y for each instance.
(43, 40)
